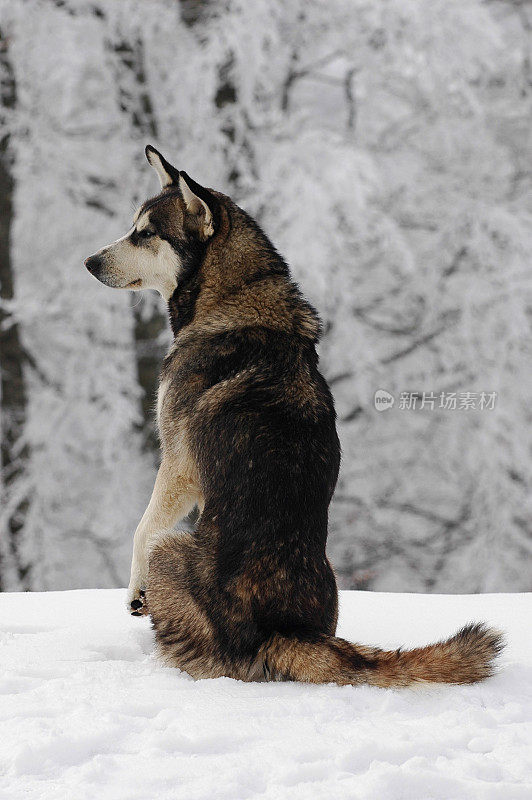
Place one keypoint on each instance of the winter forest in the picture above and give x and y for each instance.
(386, 149)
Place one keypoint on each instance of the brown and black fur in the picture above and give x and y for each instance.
(247, 427)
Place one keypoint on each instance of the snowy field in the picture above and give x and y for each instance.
(88, 713)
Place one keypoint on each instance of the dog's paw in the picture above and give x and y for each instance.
(136, 603)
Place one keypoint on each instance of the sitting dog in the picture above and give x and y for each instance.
(248, 434)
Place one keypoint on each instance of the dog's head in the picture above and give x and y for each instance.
(169, 234)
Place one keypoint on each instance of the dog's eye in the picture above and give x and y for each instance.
(145, 234)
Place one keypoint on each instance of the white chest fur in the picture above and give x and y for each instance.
(163, 388)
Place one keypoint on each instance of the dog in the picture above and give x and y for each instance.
(248, 434)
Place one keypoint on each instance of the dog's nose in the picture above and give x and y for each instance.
(93, 264)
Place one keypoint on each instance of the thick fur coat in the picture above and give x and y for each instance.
(247, 429)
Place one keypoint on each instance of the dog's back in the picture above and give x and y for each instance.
(260, 426)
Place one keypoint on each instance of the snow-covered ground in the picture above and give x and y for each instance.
(88, 713)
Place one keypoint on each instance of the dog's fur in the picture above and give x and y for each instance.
(247, 428)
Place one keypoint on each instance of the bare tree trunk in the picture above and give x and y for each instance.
(136, 102)
(193, 11)
(12, 389)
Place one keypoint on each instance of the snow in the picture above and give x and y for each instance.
(88, 712)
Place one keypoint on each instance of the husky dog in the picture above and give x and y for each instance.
(247, 430)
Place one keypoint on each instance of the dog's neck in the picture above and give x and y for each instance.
(229, 285)
(182, 303)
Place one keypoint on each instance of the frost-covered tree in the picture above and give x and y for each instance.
(385, 148)
(85, 476)
(12, 356)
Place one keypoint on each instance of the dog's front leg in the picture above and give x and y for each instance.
(173, 497)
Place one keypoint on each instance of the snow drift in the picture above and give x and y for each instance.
(88, 712)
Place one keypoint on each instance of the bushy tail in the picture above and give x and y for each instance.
(467, 657)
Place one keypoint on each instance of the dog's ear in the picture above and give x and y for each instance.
(168, 174)
(201, 204)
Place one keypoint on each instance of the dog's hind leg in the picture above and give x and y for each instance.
(174, 496)
(185, 615)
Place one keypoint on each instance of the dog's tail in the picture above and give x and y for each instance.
(467, 657)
